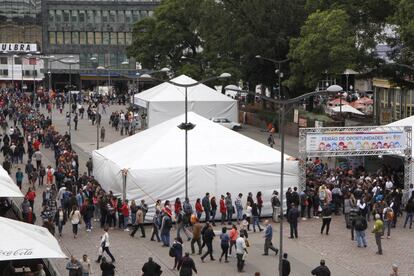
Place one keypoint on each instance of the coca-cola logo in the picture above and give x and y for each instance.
(17, 252)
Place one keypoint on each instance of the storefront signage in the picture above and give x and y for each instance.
(355, 141)
(18, 47)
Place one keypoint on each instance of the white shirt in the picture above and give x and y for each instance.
(105, 239)
(389, 185)
(75, 217)
(249, 211)
(240, 245)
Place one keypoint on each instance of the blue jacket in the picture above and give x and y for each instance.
(269, 232)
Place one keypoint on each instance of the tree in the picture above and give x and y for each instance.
(326, 46)
(162, 39)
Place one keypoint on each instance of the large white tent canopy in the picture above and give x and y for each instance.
(7, 186)
(166, 101)
(220, 161)
(19, 241)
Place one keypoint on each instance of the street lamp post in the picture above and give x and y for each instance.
(186, 125)
(283, 104)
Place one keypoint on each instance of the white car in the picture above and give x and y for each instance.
(227, 123)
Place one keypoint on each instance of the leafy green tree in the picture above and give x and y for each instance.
(326, 46)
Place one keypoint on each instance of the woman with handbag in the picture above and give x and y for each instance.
(75, 218)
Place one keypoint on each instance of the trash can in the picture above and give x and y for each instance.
(276, 213)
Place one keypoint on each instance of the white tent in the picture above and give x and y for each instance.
(20, 240)
(220, 160)
(165, 101)
(347, 109)
(7, 186)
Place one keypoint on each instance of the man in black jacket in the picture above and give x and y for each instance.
(285, 265)
(292, 216)
(151, 268)
(208, 237)
(321, 270)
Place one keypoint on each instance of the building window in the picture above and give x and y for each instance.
(4, 72)
(105, 38)
(81, 16)
(89, 17)
(113, 38)
(150, 13)
(3, 60)
(66, 16)
(98, 17)
(74, 16)
(128, 16)
(143, 14)
(91, 38)
(82, 38)
(121, 38)
(34, 73)
(98, 38)
(67, 37)
(18, 60)
(113, 59)
(121, 17)
(59, 38)
(112, 16)
(135, 16)
(128, 38)
(104, 16)
(52, 38)
(58, 16)
(75, 38)
(51, 16)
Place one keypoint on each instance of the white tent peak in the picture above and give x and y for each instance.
(7, 186)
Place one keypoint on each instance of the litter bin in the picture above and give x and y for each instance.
(276, 213)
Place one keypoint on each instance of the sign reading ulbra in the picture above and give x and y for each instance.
(18, 47)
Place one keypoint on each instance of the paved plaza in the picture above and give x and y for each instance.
(342, 255)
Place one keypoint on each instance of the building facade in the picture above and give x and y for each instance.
(94, 33)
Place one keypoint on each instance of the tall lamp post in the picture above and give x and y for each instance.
(283, 104)
(186, 125)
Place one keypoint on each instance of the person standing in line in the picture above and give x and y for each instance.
(285, 265)
(86, 266)
(229, 207)
(239, 208)
(292, 217)
(205, 202)
(187, 266)
(378, 232)
(326, 219)
(321, 270)
(208, 239)
(105, 246)
(225, 243)
(75, 218)
(223, 209)
(274, 200)
(268, 235)
(241, 251)
(213, 211)
(256, 217)
(259, 202)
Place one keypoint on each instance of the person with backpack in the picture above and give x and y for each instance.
(353, 213)
(303, 199)
(323, 196)
(388, 216)
(378, 232)
(274, 200)
(409, 208)
(176, 251)
(349, 203)
(156, 224)
(326, 219)
(360, 224)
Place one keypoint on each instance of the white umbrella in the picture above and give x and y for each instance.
(7, 186)
(347, 109)
(20, 240)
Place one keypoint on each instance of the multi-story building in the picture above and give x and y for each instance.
(95, 33)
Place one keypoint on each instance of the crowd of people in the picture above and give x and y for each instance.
(74, 198)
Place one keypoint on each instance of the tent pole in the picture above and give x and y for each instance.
(282, 168)
(186, 146)
(124, 180)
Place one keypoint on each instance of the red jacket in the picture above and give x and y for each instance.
(259, 201)
(125, 210)
(198, 207)
(177, 207)
(223, 208)
(30, 196)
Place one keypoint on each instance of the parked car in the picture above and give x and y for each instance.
(227, 123)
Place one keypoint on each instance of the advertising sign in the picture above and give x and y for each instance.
(355, 141)
(18, 47)
(386, 116)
